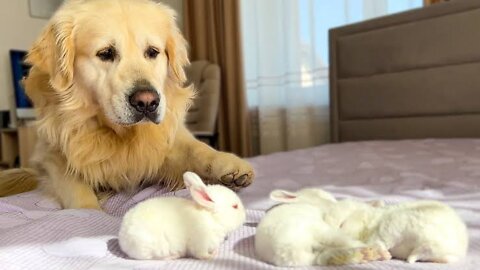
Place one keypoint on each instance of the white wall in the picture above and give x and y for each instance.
(17, 31)
(178, 6)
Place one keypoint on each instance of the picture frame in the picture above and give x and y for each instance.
(43, 9)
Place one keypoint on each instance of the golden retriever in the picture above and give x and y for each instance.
(107, 82)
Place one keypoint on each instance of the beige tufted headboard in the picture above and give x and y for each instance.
(410, 75)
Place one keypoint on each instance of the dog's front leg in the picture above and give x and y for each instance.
(190, 154)
(74, 194)
(68, 189)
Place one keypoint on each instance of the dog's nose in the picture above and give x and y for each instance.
(145, 101)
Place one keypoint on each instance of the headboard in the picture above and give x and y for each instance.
(411, 75)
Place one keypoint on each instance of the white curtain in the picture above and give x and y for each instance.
(285, 44)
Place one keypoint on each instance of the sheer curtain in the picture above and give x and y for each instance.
(286, 65)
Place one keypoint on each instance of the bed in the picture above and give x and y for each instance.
(405, 121)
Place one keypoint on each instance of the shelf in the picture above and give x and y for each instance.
(8, 130)
(9, 146)
(4, 165)
(16, 145)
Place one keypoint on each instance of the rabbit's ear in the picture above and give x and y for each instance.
(279, 195)
(192, 179)
(200, 195)
(198, 190)
(376, 203)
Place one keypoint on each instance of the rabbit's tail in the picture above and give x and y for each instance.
(16, 181)
(341, 256)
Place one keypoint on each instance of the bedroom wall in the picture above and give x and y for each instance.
(178, 6)
(18, 30)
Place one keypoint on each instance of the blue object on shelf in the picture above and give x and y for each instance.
(19, 71)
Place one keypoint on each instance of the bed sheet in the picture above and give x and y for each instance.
(36, 234)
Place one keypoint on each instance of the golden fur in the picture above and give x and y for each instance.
(87, 140)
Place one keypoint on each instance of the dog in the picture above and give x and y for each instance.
(107, 82)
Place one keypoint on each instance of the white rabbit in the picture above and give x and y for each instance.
(171, 227)
(413, 231)
(297, 235)
(337, 211)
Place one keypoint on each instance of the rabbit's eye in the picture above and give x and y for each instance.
(235, 206)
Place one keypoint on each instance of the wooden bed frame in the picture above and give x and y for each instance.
(411, 75)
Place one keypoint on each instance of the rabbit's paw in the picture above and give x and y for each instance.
(207, 255)
(172, 257)
(359, 255)
(375, 254)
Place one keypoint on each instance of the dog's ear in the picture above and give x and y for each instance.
(177, 53)
(54, 53)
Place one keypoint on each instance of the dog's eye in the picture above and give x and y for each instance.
(107, 54)
(152, 53)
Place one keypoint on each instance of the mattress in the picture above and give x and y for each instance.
(36, 234)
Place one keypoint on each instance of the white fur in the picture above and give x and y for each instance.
(170, 227)
(297, 234)
(413, 231)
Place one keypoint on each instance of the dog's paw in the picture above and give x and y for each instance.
(230, 171)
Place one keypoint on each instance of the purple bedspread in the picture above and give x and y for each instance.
(36, 234)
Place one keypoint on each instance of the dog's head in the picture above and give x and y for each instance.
(118, 55)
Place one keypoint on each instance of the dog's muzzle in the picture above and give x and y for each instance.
(144, 101)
